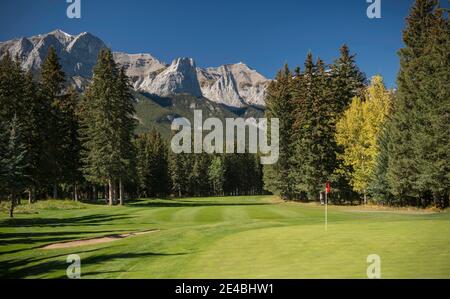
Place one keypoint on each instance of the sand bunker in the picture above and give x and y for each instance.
(105, 239)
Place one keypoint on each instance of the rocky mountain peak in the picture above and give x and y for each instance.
(180, 77)
(77, 53)
(234, 85)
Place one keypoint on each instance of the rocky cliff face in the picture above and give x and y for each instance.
(179, 78)
(77, 53)
(139, 66)
(233, 85)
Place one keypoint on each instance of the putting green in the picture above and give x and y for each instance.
(241, 237)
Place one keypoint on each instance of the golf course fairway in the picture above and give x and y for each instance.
(222, 237)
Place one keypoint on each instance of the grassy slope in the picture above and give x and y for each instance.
(245, 237)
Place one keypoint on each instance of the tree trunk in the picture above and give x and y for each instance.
(33, 194)
(55, 191)
(114, 192)
(365, 198)
(120, 192)
(110, 195)
(13, 204)
(30, 196)
(95, 193)
(75, 192)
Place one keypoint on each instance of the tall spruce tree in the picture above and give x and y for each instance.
(314, 156)
(418, 163)
(347, 81)
(52, 92)
(3, 150)
(106, 127)
(19, 97)
(143, 164)
(13, 162)
(126, 124)
(216, 175)
(10, 95)
(152, 165)
(71, 146)
(279, 105)
(178, 173)
(303, 159)
(34, 127)
(379, 185)
(200, 185)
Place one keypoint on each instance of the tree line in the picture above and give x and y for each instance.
(413, 166)
(391, 146)
(55, 142)
(161, 172)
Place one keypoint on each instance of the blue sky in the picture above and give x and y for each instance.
(264, 34)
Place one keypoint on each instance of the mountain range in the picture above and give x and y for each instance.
(234, 86)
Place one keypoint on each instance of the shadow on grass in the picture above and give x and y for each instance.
(58, 222)
(190, 203)
(47, 237)
(22, 268)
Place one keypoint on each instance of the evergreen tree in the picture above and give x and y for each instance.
(258, 175)
(152, 165)
(178, 173)
(198, 175)
(9, 91)
(347, 81)
(249, 174)
(279, 105)
(13, 162)
(162, 187)
(314, 156)
(143, 162)
(232, 174)
(51, 91)
(71, 146)
(19, 98)
(379, 185)
(216, 175)
(126, 123)
(3, 150)
(418, 164)
(106, 127)
(34, 136)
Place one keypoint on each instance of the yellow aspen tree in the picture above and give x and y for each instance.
(358, 131)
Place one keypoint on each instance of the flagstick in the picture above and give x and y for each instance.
(326, 211)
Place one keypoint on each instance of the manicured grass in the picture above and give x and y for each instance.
(242, 237)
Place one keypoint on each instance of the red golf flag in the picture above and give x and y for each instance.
(328, 187)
